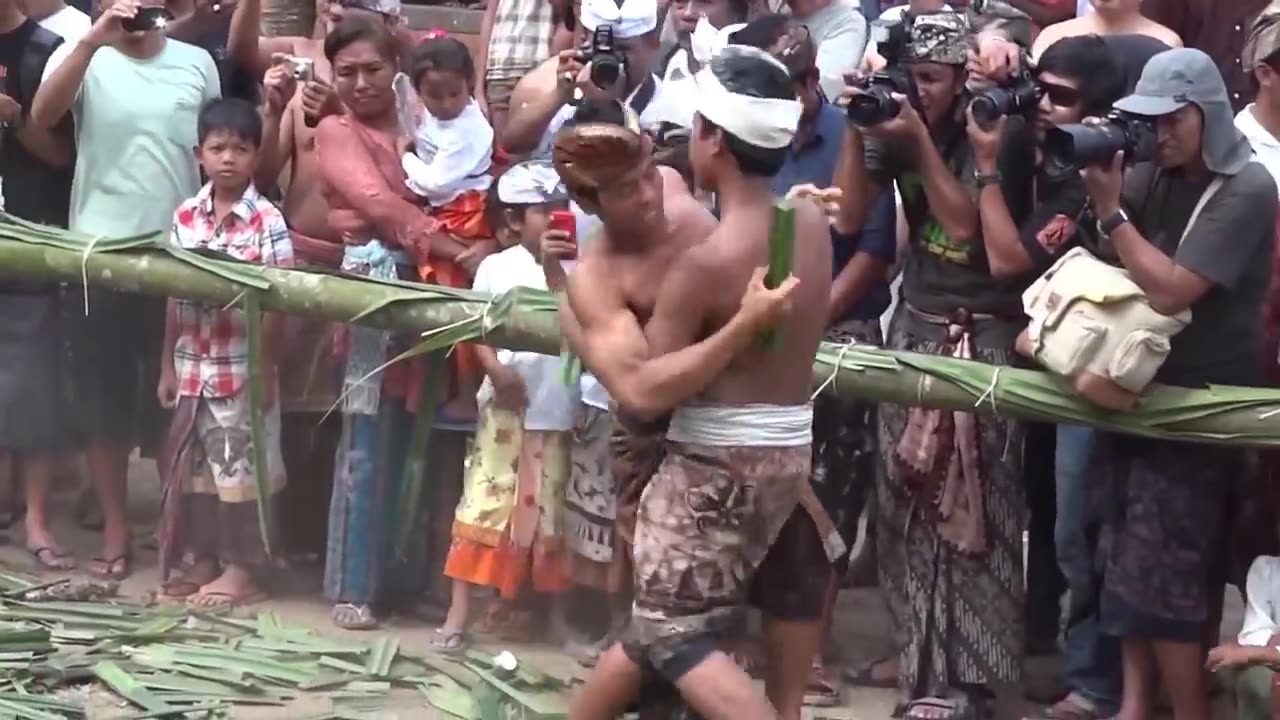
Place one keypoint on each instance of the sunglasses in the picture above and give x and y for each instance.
(1059, 95)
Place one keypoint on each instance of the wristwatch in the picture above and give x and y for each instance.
(1106, 226)
(985, 179)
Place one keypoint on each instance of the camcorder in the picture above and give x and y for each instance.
(1075, 146)
(606, 60)
(1019, 95)
(875, 103)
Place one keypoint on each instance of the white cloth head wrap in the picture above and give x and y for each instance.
(531, 183)
(707, 42)
(763, 122)
(631, 19)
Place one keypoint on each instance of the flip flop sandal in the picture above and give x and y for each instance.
(179, 589)
(224, 601)
(823, 689)
(117, 568)
(933, 708)
(450, 642)
(1066, 709)
(349, 616)
(50, 559)
(864, 676)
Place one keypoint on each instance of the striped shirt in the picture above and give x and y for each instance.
(520, 39)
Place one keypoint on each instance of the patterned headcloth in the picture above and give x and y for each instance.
(1264, 37)
(589, 156)
(939, 38)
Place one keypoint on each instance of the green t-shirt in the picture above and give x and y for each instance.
(135, 135)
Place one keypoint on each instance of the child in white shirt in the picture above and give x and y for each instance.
(509, 528)
(448, 163)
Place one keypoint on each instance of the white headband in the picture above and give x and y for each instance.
(530, 183)
(707, 42)
(631, 19)
(763, 122)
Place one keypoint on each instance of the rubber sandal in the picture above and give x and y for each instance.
(823, 689)
(224, 601)
(450, 642)
(349, 616)
(179, 589)
(1066, 709)
(50, 559)
(117, 568)
(864, 676)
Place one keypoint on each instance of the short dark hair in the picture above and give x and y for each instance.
(798, 54)
(739, 10)
(1088, 60)
(756, 77)
(442, 54)
(361, 28)
(231, 115)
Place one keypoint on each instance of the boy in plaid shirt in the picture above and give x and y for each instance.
(210, 513)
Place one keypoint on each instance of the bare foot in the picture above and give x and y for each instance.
(233, 588)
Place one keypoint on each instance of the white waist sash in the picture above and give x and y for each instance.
(754, 425)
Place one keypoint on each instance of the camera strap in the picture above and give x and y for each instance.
(643, 95)
(1214, 186)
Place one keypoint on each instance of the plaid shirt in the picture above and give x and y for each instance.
(211, 355)
(520, 39)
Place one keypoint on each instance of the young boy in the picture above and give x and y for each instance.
(210, 509)
(509, 526)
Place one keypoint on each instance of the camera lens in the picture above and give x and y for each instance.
(988, 107)
(605, 72)
(872, 108)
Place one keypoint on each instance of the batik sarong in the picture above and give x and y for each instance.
(509, 526)
(731, 478)
(210, 489)
(591, 498)
(1162, 547)
(959, 615)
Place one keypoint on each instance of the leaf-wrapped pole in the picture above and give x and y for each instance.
(524, 320)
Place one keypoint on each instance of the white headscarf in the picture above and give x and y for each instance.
(531, 183)
(707, 42)
(632, 18)
(763, 122)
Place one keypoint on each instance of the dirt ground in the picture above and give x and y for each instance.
(861, 631)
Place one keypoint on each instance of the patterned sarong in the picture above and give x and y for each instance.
(591, 503)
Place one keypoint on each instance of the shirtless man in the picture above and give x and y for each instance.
(1109, 17)
(737, 462)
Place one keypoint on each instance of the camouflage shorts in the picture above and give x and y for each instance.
(705, 523)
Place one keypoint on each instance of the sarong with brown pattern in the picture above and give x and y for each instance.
(706, 521)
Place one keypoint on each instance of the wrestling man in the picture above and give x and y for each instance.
(737, 463)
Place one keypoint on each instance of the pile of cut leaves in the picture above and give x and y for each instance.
(175, 663)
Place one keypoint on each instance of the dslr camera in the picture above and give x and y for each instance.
(606, 60)
(875, 103)
(1019, 95)
(1077, 145)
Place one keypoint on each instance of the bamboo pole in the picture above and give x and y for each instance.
(1224, 415)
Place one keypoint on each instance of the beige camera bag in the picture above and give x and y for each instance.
(1092, 324)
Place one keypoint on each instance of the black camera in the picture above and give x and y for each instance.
(875, 103)
(1075, 146)
(606, 61)
(1018, 96)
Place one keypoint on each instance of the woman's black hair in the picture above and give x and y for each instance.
(442, 54)
(361, 28)
(605, 112)
(756, 77)
(234, 116)
(1090, 62)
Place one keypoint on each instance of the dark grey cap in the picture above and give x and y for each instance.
(1176, 78)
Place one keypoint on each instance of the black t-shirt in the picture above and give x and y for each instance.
(1060, 210)
(1132, 52)
(1230, 244)
(941, 275)
(32, 190)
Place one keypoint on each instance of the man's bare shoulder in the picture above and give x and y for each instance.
(1057, 31)
(1162, 33)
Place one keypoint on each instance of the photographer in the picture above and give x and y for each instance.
(1195, 229)
(956, 584)
(617, 45)
(1076, 77)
